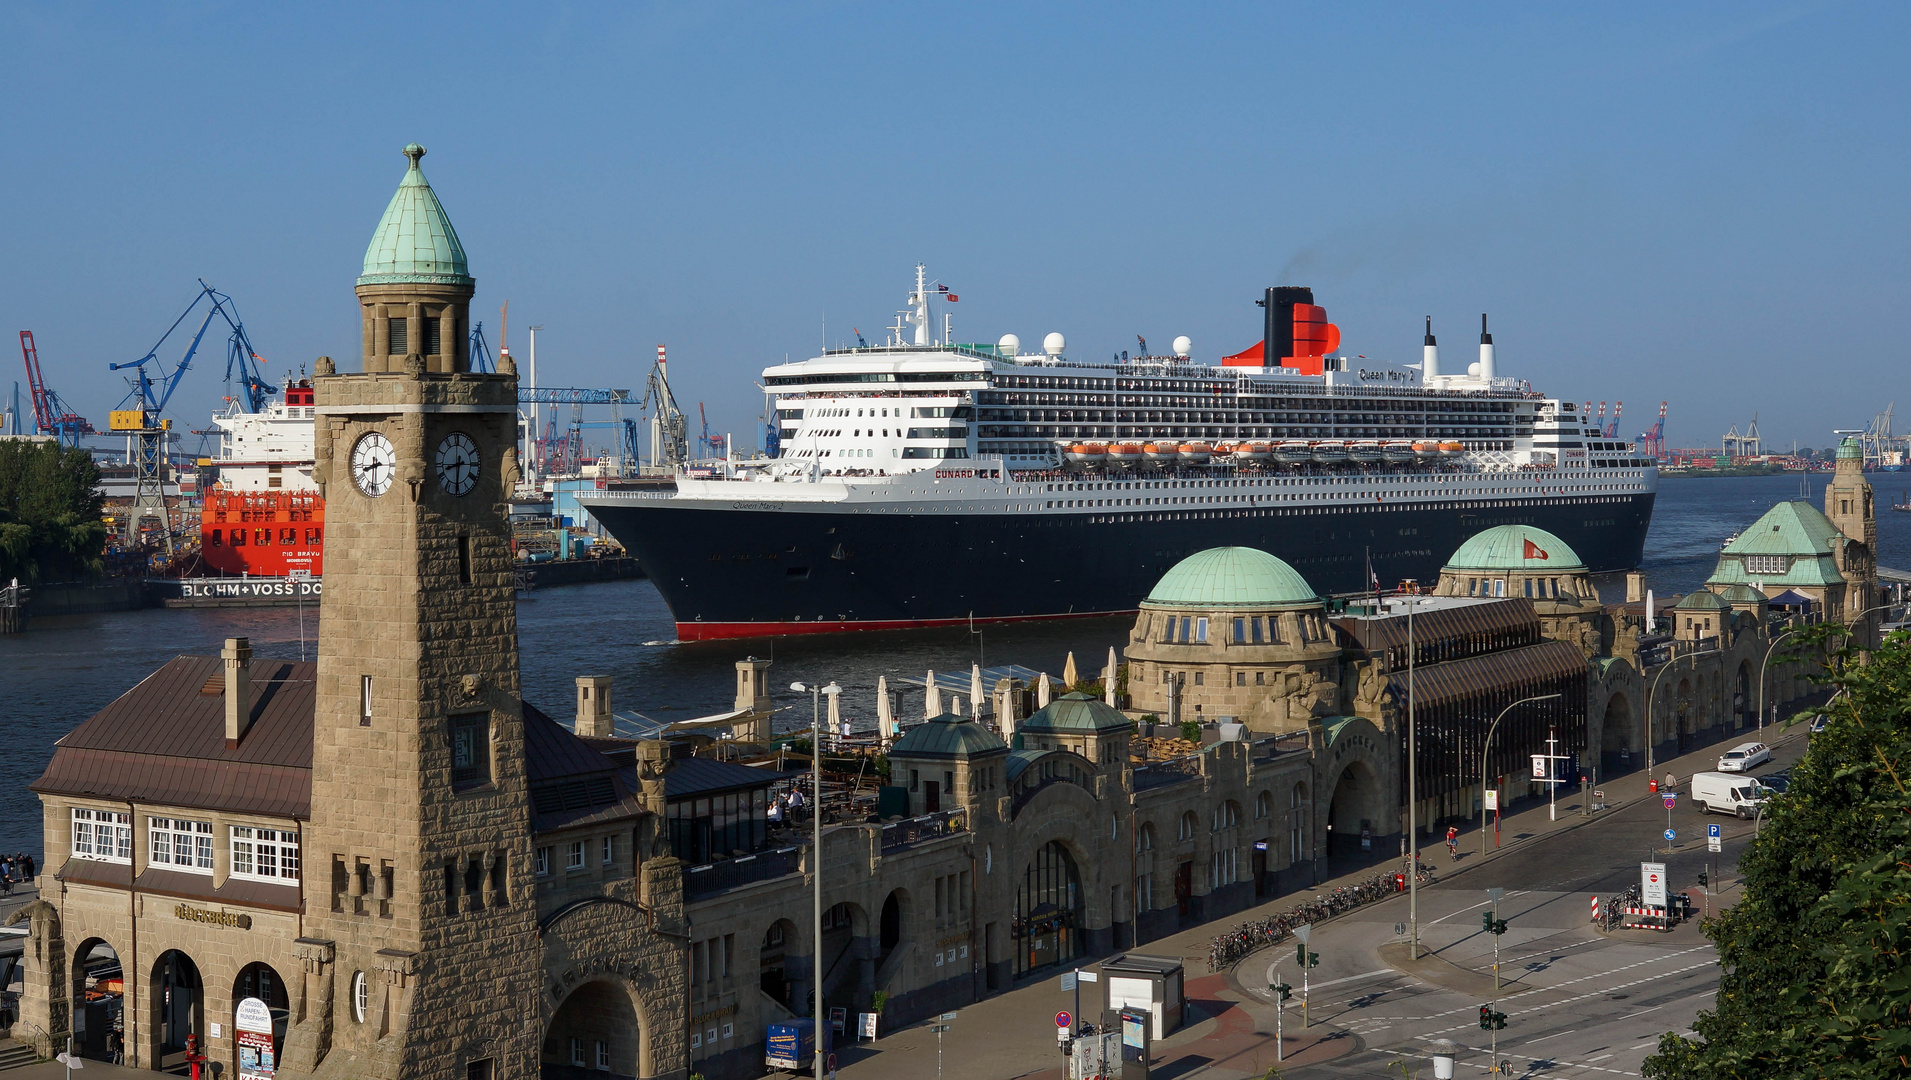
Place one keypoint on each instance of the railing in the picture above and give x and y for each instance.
(901, 834)
(1269, 748)
(1163, 773)
(712, 878)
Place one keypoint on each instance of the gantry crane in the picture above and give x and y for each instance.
(669, 435)
(50, 415)
(1652, 441)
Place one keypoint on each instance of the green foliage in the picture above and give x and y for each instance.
(50, 528)
(1191, 730)
(1150, 718)
(1816, 982)
(879, 1001)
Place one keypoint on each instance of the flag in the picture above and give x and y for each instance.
(953, 298)
(1534, 551)
(1374, 578)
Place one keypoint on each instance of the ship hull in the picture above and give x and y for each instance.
(731, 573)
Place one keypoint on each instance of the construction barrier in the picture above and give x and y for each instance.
(1595, 909)
(1645, 918)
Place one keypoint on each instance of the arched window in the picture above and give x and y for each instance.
(1145, 868)
(1188, 824)
(1048, 909)
(1264, 806)
(1296, 823)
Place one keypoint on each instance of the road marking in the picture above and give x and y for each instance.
(1554, 1035)
(1470, 907)
(1643, 1045)
(1601, 1057)
(1331, 982)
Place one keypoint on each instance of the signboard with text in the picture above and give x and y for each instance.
(252, 1028)
(1652, 884)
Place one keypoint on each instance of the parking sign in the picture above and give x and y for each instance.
(1712, 831)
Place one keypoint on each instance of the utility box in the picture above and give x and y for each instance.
(1146, 983)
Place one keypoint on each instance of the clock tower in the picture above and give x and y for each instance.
(420, 948)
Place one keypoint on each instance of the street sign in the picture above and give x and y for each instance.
(1712, 832)
(946, 1017)
(1089, 976)
(1671, 834)
(1303, 930)
(830, 1066)
(1539, 767)
(1068, 981)
(1652, 884)
(1671, 802)
(1492, 799)
(1062, 1019)
(1714, 844)
(868, 1024)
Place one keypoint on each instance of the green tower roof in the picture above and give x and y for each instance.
(1076, 713)
(1849, 447)
(948, 736)
(1741, 594)
(415, 243)
(1232, 577)
(1516, 547)
(1701, 600)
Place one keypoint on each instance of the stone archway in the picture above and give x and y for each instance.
(262, 981)
(99, 997)
(1744, 697)
(1049, 909)
(849, 954)
(598, 1027)
(782, 968)
(178, 997)
(1616, 733)
(1356, 803)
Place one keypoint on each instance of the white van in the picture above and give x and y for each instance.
(1717, 792)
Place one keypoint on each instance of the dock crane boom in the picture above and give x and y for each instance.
(50, 414)
(669, 439)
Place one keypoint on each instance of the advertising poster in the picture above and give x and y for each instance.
(252, 1029)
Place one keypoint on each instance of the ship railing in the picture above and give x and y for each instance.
(628, 496)
(725, 874)
(916, 830)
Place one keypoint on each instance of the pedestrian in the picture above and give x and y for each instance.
(776, 810)
(796, 798)
(116, 1043)
(6, 882)
(27, 860)
(1453, 841)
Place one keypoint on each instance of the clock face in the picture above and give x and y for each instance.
(457, 462)
(373, 464)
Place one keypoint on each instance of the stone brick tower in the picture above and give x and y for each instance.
(420, 952)
(1849, 505)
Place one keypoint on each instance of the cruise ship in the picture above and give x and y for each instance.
(925, 482)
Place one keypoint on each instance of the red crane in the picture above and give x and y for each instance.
(50, 414)
(1653, 440)
(709, 445)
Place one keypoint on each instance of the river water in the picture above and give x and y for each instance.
(64, 669)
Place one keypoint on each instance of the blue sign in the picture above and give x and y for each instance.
(1712, 831)
(1669, 834)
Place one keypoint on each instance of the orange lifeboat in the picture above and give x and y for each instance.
(1158, 453)
(1194, 453)
(1125, 454)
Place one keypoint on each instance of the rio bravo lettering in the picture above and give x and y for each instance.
(236, 920)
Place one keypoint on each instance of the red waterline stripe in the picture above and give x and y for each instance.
(719, 631)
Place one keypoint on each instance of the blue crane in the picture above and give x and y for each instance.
(149, 396)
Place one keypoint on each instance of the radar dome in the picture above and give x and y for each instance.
(1009, 346)
(1053, 344)
(1182, 345)
(1473, 368)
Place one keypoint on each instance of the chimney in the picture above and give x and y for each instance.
(1635, 586)
(1277, 321)
(593, 707)
(1486, 350)
(1429, 355)
(238, 657)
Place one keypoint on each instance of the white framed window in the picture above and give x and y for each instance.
(264, 854)
(577, 1051)
(609, 851)
(1767, 564)
(103, 835)
(544, 861)
(178, 844)
(574, 856)
(360, 996)
(603, 1056)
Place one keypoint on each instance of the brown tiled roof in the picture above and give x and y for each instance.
(1454, 680)
(1374, 634)
(164, 742)
(258, 894)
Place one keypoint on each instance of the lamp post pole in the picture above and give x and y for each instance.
(1484, 750)
(1413, 826)
(1653, 690)
(816, 855)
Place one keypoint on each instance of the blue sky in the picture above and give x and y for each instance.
(1695, 203)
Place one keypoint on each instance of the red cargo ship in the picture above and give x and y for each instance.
(264, 517)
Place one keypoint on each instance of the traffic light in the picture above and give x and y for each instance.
(1499, 926)
(1282, 991)
(1486, 921)
(1704, 880)
(1313, 959)
(1486, 1018)
(1498, 1019)
(1300, 953)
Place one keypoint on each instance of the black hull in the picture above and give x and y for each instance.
(737, 573)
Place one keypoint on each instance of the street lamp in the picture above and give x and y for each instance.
(816, 848)
(1484, 750)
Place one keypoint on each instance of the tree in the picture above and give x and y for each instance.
(1816, 982)
(50, 527)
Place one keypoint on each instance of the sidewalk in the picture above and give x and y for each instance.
(1229, 1032)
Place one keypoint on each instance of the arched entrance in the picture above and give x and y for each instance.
(260, 981)
(179, 1004)
(890, 927)
(1744, 700)
(1615, 734)
(597, 1030)
(1048, 910)
(846, 966)
(1682, 712)
(1353, 807)
(99, 994)
(773, 974)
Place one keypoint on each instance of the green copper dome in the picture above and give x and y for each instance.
(948, 736)
(1850, 448)
(1741, 594)
(1517, 548)
(415, 243)
(1701, 600)
(1232, 577)
(1076, 713)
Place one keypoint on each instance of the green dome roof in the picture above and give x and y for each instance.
(1076, 713)
(948, 736)
(1701, 600)
(1849, 447)
(1741, 594)
(1516, 547)
(415, 243)
(1232, 577)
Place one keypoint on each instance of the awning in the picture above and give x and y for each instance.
(1792, 598)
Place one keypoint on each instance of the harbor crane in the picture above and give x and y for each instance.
(1652, 440)
(708, 445)
(50, 415)
(1612, 428)
(669, 429)
(556, 453)
(138, 415)
(1736, 445)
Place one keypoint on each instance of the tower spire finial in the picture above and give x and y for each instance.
(414, 152)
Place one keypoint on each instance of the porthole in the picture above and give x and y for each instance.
(359, 995)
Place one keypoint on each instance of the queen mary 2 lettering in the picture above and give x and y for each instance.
(923, 481)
